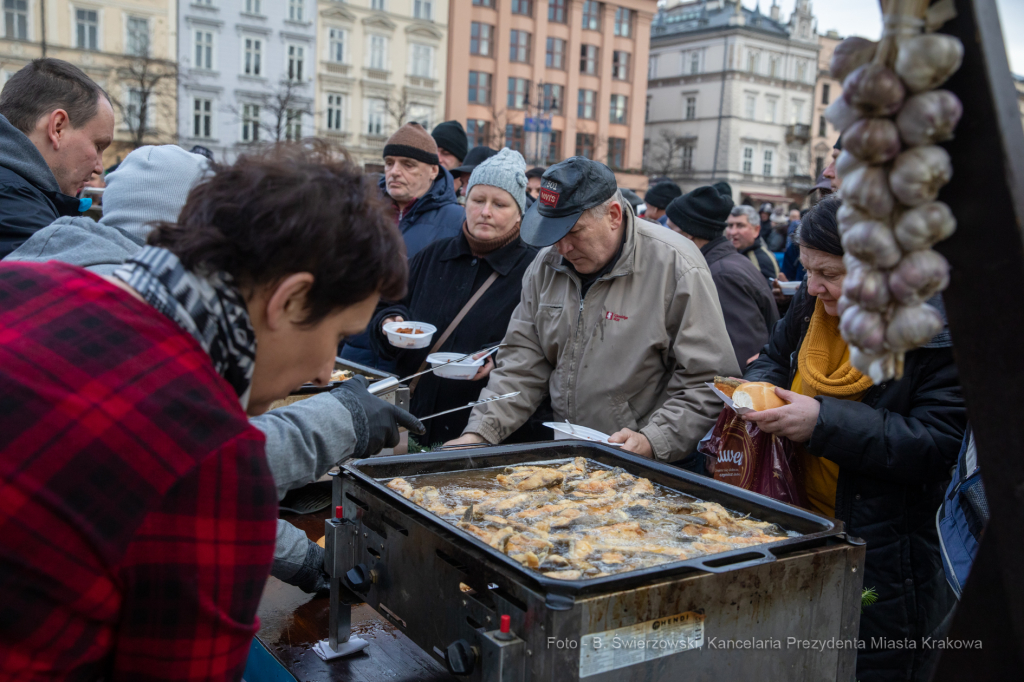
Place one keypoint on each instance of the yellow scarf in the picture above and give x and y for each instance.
(823, 368)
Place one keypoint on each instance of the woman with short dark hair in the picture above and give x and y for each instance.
(875, 457)
(138, 511)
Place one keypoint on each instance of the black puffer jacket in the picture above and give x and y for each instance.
(894, 449)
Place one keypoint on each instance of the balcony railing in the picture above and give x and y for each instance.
(421, 82)
(798, 132)
(800, 184)
(337, 68)
(376, 74)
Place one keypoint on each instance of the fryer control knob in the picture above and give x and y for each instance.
(359, 578)
(461, 657)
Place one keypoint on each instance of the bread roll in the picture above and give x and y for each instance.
(757, 395)
(727, 385)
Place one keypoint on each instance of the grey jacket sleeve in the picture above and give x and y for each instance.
(289, 550)
(701, 349)
(305, 439)
(521, 366)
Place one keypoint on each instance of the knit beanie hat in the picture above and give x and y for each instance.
(451, 136)
(505, 170)
(151, 186)
(413, 142)
(662, 194)
(701, 213)
(723, 187)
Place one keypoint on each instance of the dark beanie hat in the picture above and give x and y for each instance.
(451, 136)
(701, 213)
(413, 142)
(662, 194)
(723, 187)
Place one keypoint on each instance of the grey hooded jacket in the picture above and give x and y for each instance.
(30, 198)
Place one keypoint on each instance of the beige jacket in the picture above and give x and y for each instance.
(635, 353)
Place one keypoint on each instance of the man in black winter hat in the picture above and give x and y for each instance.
(452, 143)
(657, 199)
(747, 301)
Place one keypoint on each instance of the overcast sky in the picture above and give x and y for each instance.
(864, 18)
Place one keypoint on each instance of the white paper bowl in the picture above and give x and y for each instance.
(565, 431)
(409, 340)
(789, 288)
(464, 370)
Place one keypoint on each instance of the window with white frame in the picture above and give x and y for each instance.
(337, 104)
(377, 4)
(253, 60)
(135, 112)
(753, 61)
(687, 160)
(422, 114)
(202, 117)
(748, 160)
(768, 154)
(376, 114)
(652, 67)
(691, 107)
(293, 125)
(750, 106)
(801, 70)
(620, 65)
(250, 122)
(87, 22)
(137, 43)
(16, 19)
(422, 61)
(208, 3)
(771, 107)
(253, 7)
(618, 109)
(336, 39)
(793, 163)
(798, 111)
(773, 66)
(695, 62)
(296, 9)
(204, 50)
(623, 22)
(423, 9)
(378, 52)
(296, 62)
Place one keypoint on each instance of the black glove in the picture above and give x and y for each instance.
(375, 420)
(311, 576)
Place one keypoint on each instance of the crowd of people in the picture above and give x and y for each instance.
(141, 465)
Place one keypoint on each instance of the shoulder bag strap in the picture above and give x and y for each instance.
(455, 323)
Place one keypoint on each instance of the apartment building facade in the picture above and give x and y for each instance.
(827, 89)
(380, 64)
(552, 79)
(247, 72)
(730, 97)
(128, 47)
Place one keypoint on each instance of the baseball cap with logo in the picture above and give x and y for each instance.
(567, 189)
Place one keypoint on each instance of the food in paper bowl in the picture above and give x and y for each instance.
(445, 367)
(789, 288)
(409, 334)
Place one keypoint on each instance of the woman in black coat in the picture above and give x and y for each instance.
(876, 458)
(446, 274)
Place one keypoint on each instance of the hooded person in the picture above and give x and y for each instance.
(149, 187)
(657, 199)
(486, 258)
(747, 303)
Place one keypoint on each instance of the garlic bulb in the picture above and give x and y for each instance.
(873, 243)
(875, 140)
(929, 117)
(868, 287)
(918, 276)
(846, 163)
(867, 188)
(849, 215)
(879, 367)
(841, 114)
(921, 227)
(863, 328)
(912, 326)
(874, 90)
(849, 55)
(926, 61)
(919, 173)
(844, 303)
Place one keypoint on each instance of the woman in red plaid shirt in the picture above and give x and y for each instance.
(137, 512)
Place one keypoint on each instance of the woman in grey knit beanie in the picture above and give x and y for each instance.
(495, 202)
(505, 170)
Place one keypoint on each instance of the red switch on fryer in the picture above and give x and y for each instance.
(337, 512)
(506, 624)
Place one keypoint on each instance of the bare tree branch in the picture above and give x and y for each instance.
(665, 155)
(145, 97)
(284, 105)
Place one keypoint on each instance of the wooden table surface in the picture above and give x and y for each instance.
(291, 622)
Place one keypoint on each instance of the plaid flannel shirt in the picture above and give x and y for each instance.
(137, 512)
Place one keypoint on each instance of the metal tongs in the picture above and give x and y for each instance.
(387, 385)
(473, 404)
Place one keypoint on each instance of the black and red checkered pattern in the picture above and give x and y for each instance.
(137, 512)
